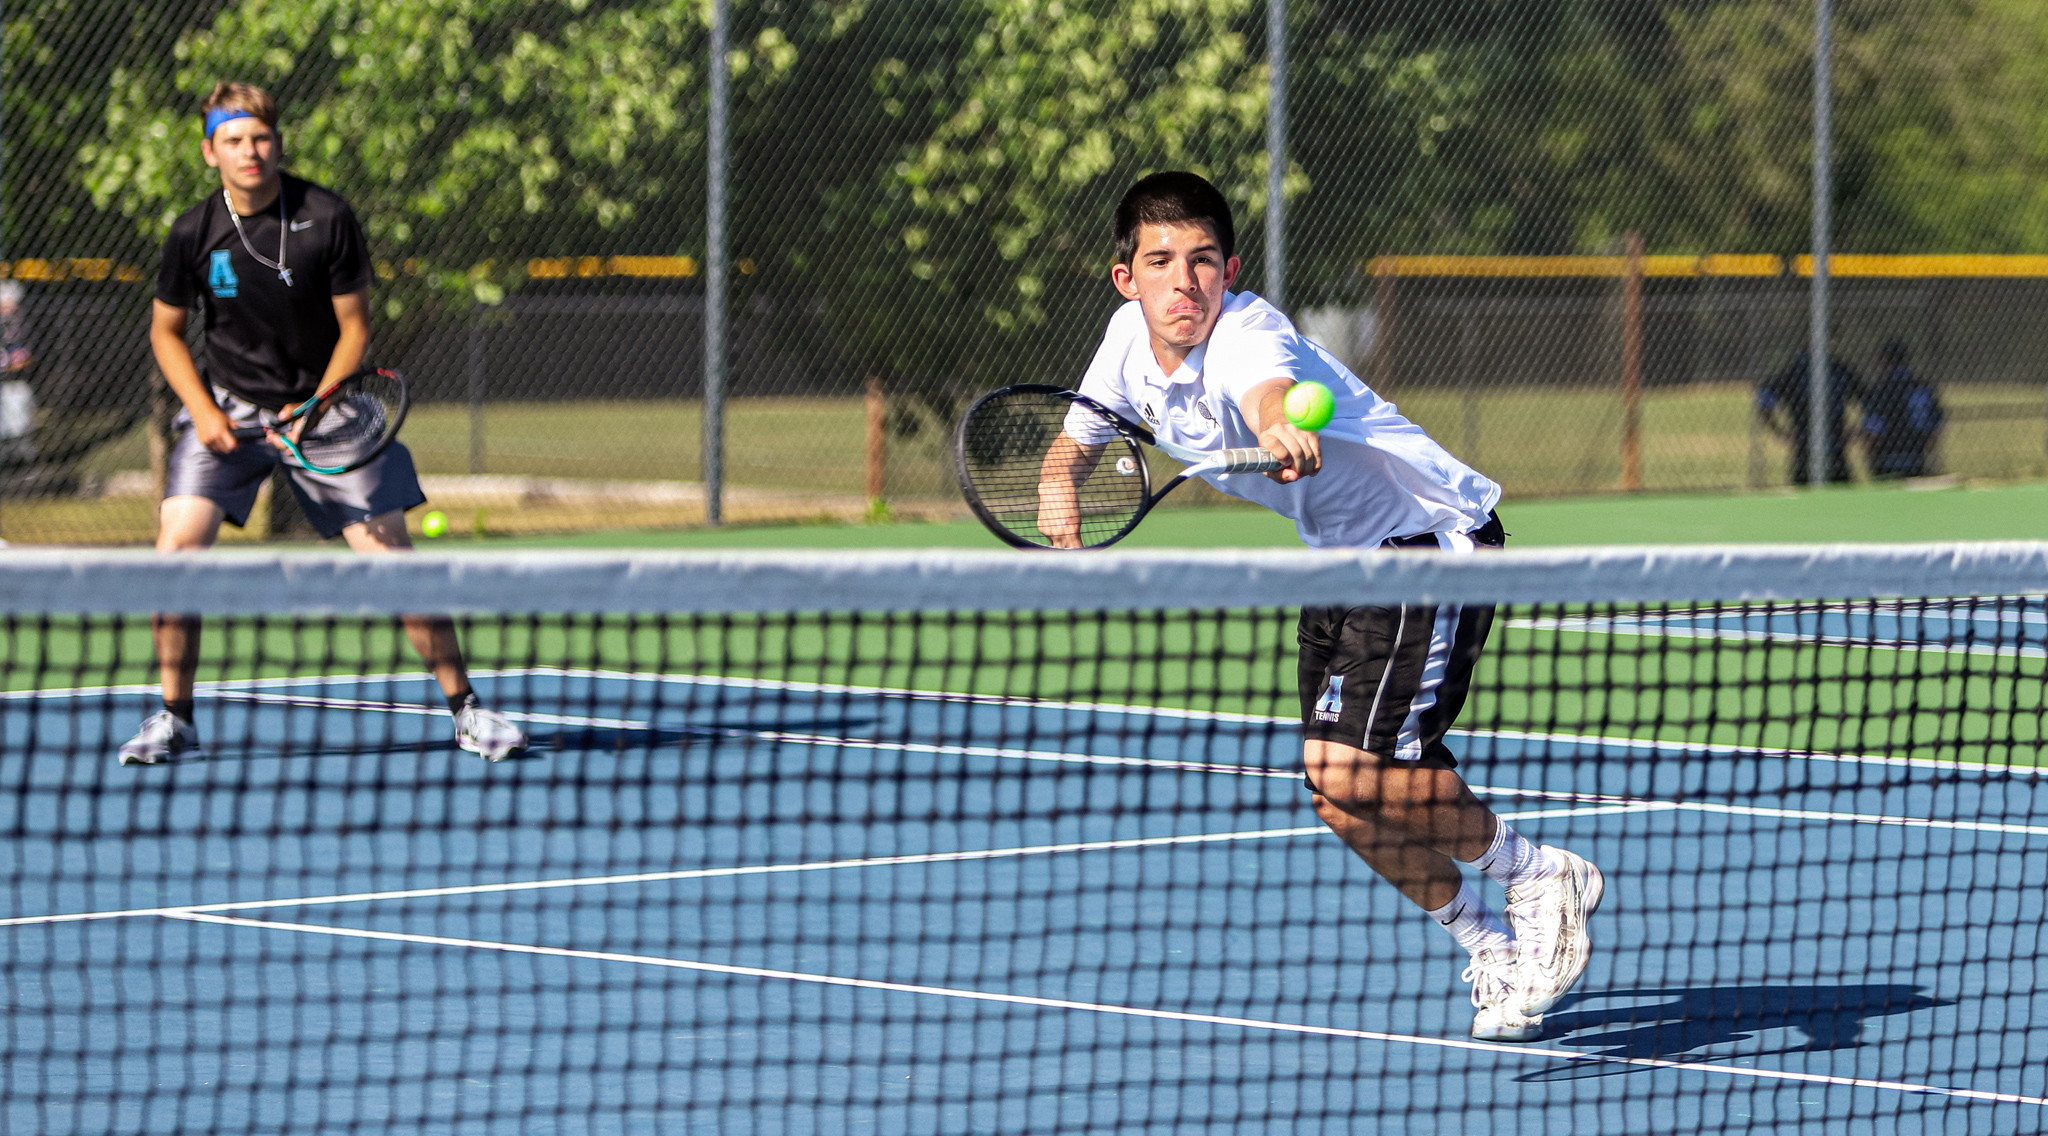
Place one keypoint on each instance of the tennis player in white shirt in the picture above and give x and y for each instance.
(1209, 368)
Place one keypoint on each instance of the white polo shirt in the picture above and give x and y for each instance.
(1382, 477)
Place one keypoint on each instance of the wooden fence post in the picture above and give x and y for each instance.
(878, 443)
(1383, 338)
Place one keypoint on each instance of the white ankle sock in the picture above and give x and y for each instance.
(1512, 859)
(1469, 921)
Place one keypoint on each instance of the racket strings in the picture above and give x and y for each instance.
(354, 422)
(1003, 450)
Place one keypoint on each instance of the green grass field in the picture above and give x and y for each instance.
(801, 460)
(1883, 514)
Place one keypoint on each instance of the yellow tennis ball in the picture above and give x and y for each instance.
(434, 523)
(1310, 405)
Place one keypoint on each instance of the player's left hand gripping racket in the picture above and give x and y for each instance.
(1048, 468)
(345, 428)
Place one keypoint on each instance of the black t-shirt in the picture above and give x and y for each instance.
(267, 342)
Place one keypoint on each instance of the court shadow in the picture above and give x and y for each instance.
(838, 727)
(585, 739)
(1627, 1023)
(608, 739)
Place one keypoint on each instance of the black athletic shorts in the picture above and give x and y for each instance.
(331, 501)
(1391, 680)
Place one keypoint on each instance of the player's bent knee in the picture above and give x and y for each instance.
(1348, 779)
(384, 532)
(187, 524)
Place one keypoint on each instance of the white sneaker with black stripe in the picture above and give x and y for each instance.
(487, 732)
(1495, 1000)
(1549, 915)
(163, 737)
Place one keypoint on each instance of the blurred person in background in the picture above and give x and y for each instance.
(1902, 417)
(1783, 401)
(17, 399)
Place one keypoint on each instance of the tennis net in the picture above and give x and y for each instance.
(1002, 843)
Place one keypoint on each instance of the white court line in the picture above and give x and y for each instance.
(908, 693)
(423, 711)
(1268, 719)
(1633, 803)
(1654, 805)
(1643, 804)
(1723, 749)
(1625, 626)
(1588, 740)
(1122, 1011)
(834, 742)
(743, 870)
(2021, 610)
(831, 741)
(1648, 804)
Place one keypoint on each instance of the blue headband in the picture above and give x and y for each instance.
(219, 115)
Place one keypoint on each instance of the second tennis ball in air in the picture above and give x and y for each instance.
(434, 523)
(1310, 405)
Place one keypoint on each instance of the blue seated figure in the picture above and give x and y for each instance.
(1902, 417)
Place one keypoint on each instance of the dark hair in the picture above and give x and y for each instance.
(1172, 197)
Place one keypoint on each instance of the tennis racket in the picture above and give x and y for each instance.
(1048, 468)
(345, 428)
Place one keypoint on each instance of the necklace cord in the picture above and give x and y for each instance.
(283, 227)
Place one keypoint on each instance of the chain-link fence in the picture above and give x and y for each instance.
(1564, 236)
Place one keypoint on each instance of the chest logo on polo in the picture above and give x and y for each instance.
(1202, 408)
(1150, 412)
(221, 276)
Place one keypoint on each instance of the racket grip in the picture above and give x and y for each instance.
(1249, 459)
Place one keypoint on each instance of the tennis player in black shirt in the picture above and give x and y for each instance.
(280, 272)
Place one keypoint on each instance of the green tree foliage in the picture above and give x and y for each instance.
(936, 176)
(469, 134)
(1017, 125)
(61, 56)
(1940, 141)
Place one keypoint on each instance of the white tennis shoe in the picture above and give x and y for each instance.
(1549, 916)
(1495, 999)
(162, 738)
(488, 732)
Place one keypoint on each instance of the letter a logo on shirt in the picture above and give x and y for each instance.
(221, 278)
(1330, 706)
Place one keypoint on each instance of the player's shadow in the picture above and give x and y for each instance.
(1627, 1023)
(545, 739)
(842, 726)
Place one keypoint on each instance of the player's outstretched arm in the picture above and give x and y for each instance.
(174, 359)
(1066, 465)
(1265, 411)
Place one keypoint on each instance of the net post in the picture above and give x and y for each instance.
(877, 456)
(1276, 153)
(714, 272)
(1818, 427)
(1632, 366)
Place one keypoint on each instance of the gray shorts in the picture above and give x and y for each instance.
(331, 501)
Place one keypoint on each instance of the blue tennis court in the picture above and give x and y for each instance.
(713, 904)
